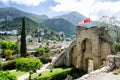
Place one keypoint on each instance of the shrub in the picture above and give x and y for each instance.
(9, 65)
(0, 64)
(60, 74)
(117, 47)
(28, 65)
(44, 58)
(8, 54)
(56, 74)
(5, 75)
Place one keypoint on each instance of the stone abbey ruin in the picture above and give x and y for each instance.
(90, 44)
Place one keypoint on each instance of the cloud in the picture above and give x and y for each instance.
(96, 8)
(24, 2)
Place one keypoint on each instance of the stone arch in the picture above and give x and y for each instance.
(86, 46)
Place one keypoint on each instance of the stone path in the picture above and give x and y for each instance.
(100, 74)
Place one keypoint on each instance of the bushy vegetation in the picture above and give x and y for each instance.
(5, 75)
(0, 64)
(6, 44)
(28, 65)
(8, 54)
(117, 47)
(43, 54)
(9, 65)
(59, 74)
(43, 50)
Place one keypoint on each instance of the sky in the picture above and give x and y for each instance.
(93, 8)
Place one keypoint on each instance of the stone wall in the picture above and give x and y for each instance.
(113, 61)
(90, 44)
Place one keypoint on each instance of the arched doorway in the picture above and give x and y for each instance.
(89, 65)
(86, 58)
(86, 46)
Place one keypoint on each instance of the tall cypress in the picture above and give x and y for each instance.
(23, 39)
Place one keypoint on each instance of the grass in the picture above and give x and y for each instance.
(18, 73)
(49, 73)
(58, 73)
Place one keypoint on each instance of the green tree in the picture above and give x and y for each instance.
(7, 45)
(112, 25)
(8, 53)
(29, 65)
(0, 64)
(117, 47)
(5, 75)
(23, 40)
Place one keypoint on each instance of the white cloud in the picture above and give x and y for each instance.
(24, 2)
(96, 8)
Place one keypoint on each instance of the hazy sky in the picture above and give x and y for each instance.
(96, 8)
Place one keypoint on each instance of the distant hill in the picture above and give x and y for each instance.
(10, 13)
(10, 18)
(31, 26)
(75, 18)
(60, 25)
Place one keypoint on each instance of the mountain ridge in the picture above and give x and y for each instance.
(10, 13)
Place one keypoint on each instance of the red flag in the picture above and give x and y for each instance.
(85, 21)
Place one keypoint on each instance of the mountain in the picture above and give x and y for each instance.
(75, 18)
(60, 25)
(10, 13)
(31, 26)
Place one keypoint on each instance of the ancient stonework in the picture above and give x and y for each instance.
(90, 44)
(113, 61)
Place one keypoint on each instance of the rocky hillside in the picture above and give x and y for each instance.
(60, 25)
(10, 13)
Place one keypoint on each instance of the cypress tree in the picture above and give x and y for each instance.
(23, 39)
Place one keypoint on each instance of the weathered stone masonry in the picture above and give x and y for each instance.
(91, 43)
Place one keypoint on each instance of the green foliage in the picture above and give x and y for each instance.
(4, 12)
(18, 73)
(31, 26)
(60, 25)
(0, 64)
(9, 55)
(56, 74)
(7, 45)
(8, 52)
(43, 49)
(5, 75)
(9, 65)
(28, 64)
(23, 40)
(117, 47)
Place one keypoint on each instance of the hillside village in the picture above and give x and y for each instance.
(36, 47)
